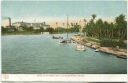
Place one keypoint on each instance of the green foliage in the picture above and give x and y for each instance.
(106, 32)
(41, 29)
(8, 29)
(75, 28)
(93, 39)
(101, 29)
(59, 30)
(50, 30)
(112, 43)
(28, 28)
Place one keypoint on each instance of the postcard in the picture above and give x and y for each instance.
(76, 41)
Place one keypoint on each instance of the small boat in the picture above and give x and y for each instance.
(80, 48)
(63, 41)
(96, 50)
(60, 37)
(66, 41)
(54, 37)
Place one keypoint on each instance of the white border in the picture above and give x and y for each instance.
(66, 77)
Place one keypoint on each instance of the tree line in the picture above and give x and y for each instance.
(109, 33)
(103, 29)
(58, 30)
(96, 28)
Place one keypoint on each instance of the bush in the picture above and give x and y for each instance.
(112, 43)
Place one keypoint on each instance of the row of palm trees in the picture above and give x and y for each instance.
(100, 29)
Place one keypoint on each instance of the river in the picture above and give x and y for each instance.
(40, 54)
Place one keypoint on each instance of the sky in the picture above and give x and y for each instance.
(48, 10)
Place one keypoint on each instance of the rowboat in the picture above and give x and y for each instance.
(80, 47)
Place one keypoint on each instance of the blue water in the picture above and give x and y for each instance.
(40, 54)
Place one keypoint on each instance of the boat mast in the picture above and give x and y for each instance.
(67, 27)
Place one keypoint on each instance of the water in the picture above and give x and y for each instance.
(36, 54)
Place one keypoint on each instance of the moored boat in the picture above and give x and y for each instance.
(96, 50)
(63, 41)
(55, 37)
(80, 47)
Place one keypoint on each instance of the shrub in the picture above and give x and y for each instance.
(112, 43)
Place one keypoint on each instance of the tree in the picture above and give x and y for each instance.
(30, 28)
(85, 20)
(121, 24)
(112, 33)
(93, 16)
(41, 29)
(99, 28)
(50, 30)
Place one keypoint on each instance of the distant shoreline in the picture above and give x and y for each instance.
(26, 33)
(32, 33)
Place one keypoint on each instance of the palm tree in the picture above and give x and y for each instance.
(57, 27)
(121, 24)
(85, 20)
(56, 24)
(93, 16)
(83, 29)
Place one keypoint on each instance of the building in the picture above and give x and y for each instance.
(36, 26)
(19, 25)
(6, 22)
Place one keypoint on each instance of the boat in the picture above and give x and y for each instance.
(55, 37)
(67, 40)
(80, 47)
(60, 37)
(63, 41)
(96, 50)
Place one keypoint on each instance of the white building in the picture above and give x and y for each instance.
(35, 26)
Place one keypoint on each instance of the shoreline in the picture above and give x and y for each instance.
(120, 53)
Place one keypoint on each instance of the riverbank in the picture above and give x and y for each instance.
(119, 52)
